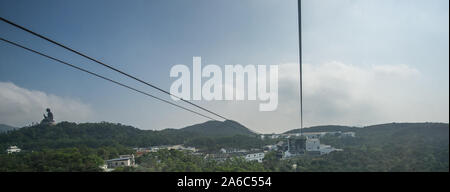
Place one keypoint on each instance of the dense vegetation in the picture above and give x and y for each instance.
(388, 147)
(178, 161)
(83, 147)
(70, 159)
(214, 144)
(94, 135)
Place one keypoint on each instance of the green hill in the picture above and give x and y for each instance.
(66, 134)
(324, 128)
(217, 128)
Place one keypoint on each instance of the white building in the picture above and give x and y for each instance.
(312, 145)
(348, 134)
(13, 149)
(287, 154)
(122, 161)
(255, 157)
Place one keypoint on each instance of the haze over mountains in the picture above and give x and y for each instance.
(4, 128)
(231, 128)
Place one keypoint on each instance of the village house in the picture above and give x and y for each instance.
(122, 161)
(13, 149)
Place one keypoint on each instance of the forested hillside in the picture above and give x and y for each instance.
(65, 134)
(386, 147)
(83, 147)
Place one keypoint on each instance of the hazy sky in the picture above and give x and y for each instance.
(365, 62)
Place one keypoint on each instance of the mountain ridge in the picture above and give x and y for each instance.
(5, 128)
(218, 128)
(343, 128)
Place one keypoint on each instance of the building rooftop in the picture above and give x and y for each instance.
(119, 159)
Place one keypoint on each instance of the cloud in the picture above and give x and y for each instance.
(403, 71)
(343, 94)
(339, 93)
(20, 106)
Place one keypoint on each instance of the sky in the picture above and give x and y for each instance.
(364, 62)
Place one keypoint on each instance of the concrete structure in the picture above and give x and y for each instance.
(218, 157)
(270, 147)
(325, 149)
(233, 150)
(312, 145)
(173, 147)
(122, 161)
(287, 154)
(13, 149)
(259, 156)
(294, 147)
(297, 145)
(141, 151)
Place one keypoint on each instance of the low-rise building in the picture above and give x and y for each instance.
(233, 150)
(173, 147)
(218, 157)
(122, 161)
(325, 149)
(312, 145)
(258, 156)
(13, 149)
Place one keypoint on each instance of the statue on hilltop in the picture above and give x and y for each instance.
(48, 119)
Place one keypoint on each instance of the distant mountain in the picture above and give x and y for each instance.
(385, 129)
(4, 128)
(407, 133)
(217, 128)
(67, 134)
(324, 128)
